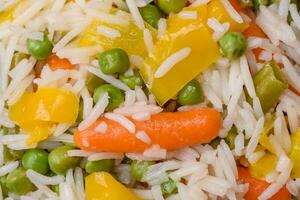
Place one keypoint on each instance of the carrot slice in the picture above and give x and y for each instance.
(55, 63)
(256, 187)
(169, 130)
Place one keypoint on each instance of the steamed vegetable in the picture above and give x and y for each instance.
(181, 33)
(132, 81)
(151, 14)
(37, 113)
(39, 49)
(256, 187)
(233, 45)
(269, 84)
(139, 168)
(37, 160)
(190, 94)
(263, 166)
(102, 186)
(169, 130)
(116, 96)
(171, 6)
(18, 183)
(169, 187)
(131, 37)
(113, 61)
(55, 63)
(99, 165)
(60, 162)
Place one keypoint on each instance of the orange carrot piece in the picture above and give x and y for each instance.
(256, 187)
(237, 6)
(169, 130)
(55, 63)
(254, 31)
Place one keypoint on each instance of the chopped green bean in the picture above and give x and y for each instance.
(231, 137)
(11, 155)
(92, 82)
(139, 168)
(17, 182)
(258, 3)
(98, 166)
(132, 80)
(269, 84)
(17, 58)
(215, 142)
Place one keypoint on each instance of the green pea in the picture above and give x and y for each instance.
(233, 45)
(258, 3)
(169, 187)
(92, 82)
(171, 6)
(17, 182)
(60, 162)
(139, 168)
(37, 160)
(116, 96)
(132, 80)
(192, 93)
(40, 49)
(151, 14)
(3, 186)
(98, 166)
(11, 155)
(113, 61)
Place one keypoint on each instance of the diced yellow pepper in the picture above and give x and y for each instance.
(37, 113)
(263, 166)
(264, 137)
(102, 186)
(217, 10)
(295, 154)
(47, 104)
(181, 33)
(131, 37)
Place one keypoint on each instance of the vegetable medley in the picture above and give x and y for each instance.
(141, 99)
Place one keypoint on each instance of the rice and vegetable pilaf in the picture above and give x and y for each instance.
(143, 99)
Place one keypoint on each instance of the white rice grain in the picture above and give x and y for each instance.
(148, 40)
(135, 13)
(123, 121)
(188, 14)
(143, 136)
(155, 152)
(101, 128)
(232, 12)
(171, 61)
(42, 179)
(161, 27)
(108, 32)
(9, 167)
(105, 155)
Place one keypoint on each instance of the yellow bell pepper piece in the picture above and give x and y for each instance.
(102, 186)
(47, 104)
(295, 154)
(131, 37)
(264, 137)
(8, 13)
(217, 10)
(37, 113)
(181, 33)
(263, 166)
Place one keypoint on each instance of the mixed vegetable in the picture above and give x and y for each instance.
(40, 111)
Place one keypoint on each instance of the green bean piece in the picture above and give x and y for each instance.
(132, 80)
(169, 187)
(60, 162)
(191, 93)
(258, 3)
(98, 166)
(215, 142)
(37, 160)
(113, 61)
(230, 138)
(116, 96)
(269, 84)
(139, 168)
(11, 155)
(17, 58)
(80, 112)
(3, 186)
(233, 45)
(17, 182)
(151, 14)
(246, 3)
(92, 82)
(171, 6)
(40, 49)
